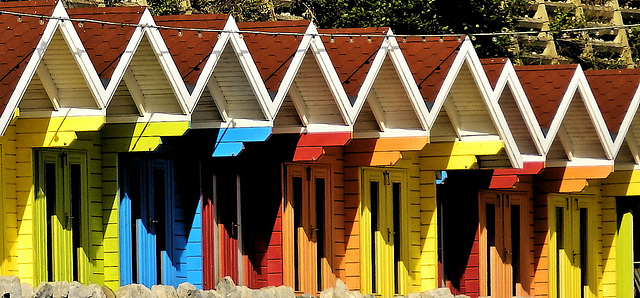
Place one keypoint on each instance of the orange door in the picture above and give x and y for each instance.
(306, 227)
(504, 238)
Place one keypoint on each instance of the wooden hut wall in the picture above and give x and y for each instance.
(25, 222)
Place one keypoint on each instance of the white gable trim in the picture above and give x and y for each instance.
(468, 55)
(580, 84)
(369, 79)
(509, 79)
(29, 71)
(331, 76)
(166, 62)
(228, 38)
(627, 121)
(408, 82)
(125, 60)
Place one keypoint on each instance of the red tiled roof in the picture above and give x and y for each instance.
(352, 57)
(430, 60)
(493, 68)
(545, 85)
(191, 50)
(273, 53)
(105, 44)
(613, 90)
(18, 40)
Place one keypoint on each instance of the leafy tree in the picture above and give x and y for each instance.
(421, 17)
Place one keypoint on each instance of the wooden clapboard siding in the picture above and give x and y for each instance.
(391, 97)
(71, 85)
(122, 103)
(620, 283)
(443, 130)
(55, 132)
(473, 115)
(517, 125)
(206, 109)
(287, 115)
(321, 106)
(581, 131)
(35, 98)
(428, 231)
(234, 85)
(414, 260)
(152, 81)
(118, 138)
(366, 121)
(9, 202)
(602, 242)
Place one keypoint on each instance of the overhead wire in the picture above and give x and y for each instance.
(81, 22)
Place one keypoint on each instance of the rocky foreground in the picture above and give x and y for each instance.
(11, 287)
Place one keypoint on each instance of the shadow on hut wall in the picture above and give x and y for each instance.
(457, 199)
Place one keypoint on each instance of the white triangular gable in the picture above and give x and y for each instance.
(519, 114)
(390, 96)
(472, 109)
(580, 127)
(229, 90)
(146, 67)
(309, 103)
(72, 89)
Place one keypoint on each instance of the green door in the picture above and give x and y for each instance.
(60, 207)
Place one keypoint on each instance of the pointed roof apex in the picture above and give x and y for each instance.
(273, 53)
(18, 41)
(105, 43)
(545, 86)
(352, 56)
(493, 68)
(613, 90)
(191, 49)
(430, 59)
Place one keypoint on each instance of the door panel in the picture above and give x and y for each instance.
(382, 240)
(226, 200)
(146, 221)
(60, 179)
(502, 230)
(572, 260)
(306, 219)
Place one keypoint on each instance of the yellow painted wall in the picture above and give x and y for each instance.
(102, 143)
(118, 138)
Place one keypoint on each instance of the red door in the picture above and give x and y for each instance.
(222, 243)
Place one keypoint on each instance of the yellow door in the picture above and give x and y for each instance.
(306, 211)
(60, 205)
(504, 240)
(383, 231)
(572, 222)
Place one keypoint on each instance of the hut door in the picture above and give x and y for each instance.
(502, 231)
(307, 228)
(381, 224)
(572, 225)
(228, 218)
(61, 198)
(628, 249)
(147, 201)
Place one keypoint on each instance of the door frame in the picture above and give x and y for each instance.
(384, 271)
(308, 172)
(62, 159)
(146, 164)
(571, 204)
(504, 200)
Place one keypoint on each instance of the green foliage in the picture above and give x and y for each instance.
(565, 19)
(421, 17)
(241, 10)
(166, 7)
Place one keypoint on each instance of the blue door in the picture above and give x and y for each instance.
(160, 227)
